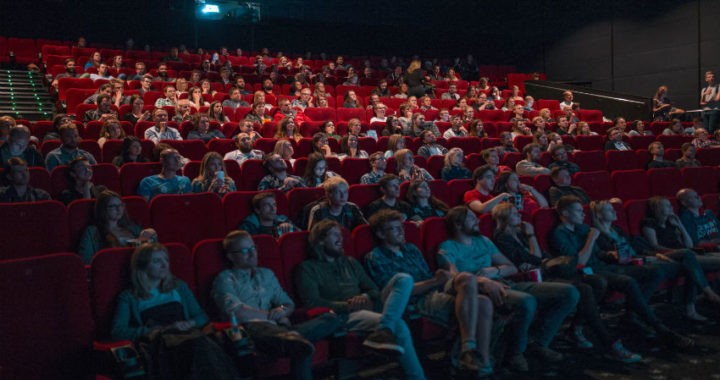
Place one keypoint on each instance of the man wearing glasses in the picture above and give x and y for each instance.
(252, 296)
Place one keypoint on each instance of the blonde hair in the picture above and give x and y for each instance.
(138, 264)
(449, 157)
(280, 147)
(501, 215)
(204, 174)
(393, 142)
(400, 156)
(333, 183)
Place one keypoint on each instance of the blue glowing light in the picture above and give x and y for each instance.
(210, 8)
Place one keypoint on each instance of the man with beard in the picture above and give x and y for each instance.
(63, 154)
(102, 112)
(245, 150)
(69, 72)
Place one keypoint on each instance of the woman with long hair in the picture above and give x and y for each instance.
(424, 204)
(216, 113)
(328, 128)
(395, 143)
(195, 96)
(111, 130)
(213, 176)
(136, 111)
(157, 305)
(414, 78)
(111, 227)
(350, 100)
(201, 129)
(525, 197)
(287, 128)
(131, 152)
(406, 168)
(316, 170)
(662, 108)
(284, 149)
(349, 147)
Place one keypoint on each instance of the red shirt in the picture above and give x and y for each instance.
(475, 195)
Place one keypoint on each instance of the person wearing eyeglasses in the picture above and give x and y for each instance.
(253, 296)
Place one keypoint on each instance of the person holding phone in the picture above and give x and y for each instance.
(212, 176)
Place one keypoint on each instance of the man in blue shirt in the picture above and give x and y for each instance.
(702, 225)
(167, 182)
(68, 150)
(439, 296)
(468, 251)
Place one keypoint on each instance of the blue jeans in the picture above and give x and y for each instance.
(552, 300)
(711, 120)
(692, 266)
(395, 297)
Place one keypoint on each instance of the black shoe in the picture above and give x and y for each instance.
(632, 323)
(295, 345)
(383, 340)
(675, 340)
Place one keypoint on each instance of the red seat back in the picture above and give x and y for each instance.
(544, 220)
(597, 184)
(590, 160)
(187, 218)
(38, 228)
(362, 195)
(46, 323)
(631, 184)
(621, 160)
(132, 173)
(238, 206)
(665, 181)
(252, 172)
(704, 179)
(592, 142)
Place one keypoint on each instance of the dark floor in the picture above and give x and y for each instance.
(659, 363)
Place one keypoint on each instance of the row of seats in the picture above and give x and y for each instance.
(175, 217)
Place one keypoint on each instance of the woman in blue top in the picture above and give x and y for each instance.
(111, 227)
(158, 303)
(212, 176)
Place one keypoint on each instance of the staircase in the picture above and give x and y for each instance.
(24, 96)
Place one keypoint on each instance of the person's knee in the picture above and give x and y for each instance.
(485, 307)
(571, 295)
(466, 282)
(526, 305)
(402, 281)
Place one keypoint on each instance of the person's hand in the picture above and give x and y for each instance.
(327, 150)
(361, 302)
(463, 130)
(145, 115)
(289, 180)
(180, 325)
(106, 116)
(147, 234)
(276, 314)
(528, 228)
(525, 187)
(673, 220)
(594, 233)
(505, 196)
(662, 257)
(614, 254)
(442, 276)
(285, 227)
(162, 125)
(495, 290)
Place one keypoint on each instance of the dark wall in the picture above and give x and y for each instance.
(634, 47)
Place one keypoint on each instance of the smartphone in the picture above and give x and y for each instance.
(220, 175)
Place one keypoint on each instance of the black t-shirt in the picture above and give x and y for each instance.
(668, 236)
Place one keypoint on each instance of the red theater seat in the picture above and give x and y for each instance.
(665, 182)
(132, 173)
(187, 218)
(39, 228)
(621, 160)
(237, 206)
(704, 179)
(597, 184)
(631, 184)
(362, 195)
(590, 160)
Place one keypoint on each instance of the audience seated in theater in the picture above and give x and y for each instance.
(519, 128)
(560, 159)
(423, 203)
(406, 168)
(657, 151)
(481, 199)
(701, 224)
(17, 178)
(183, 111)
(418, 125)
(506, 143)
(395, 144)
(206, 87)
(430, 147)
(167, 182)
(68, 150)
(567, 100)
(378, 163)
(118, 97)
(320, 145)
(70, 72)
(102, 112)
(525, 197)
(583, 129)
(541, 139)
(639, 129)
(201, 129)
(382, 89)
(277, 177)
(136, 112)
(350, 100)
(373, 100)
(328, 128)
(468, 114)
(492, 159)
(158, 304)
(355, 128)
(578, 241)
(284, 149)
(688, 159)
(561, 180)
(539, 125)
(170, 99)
(102, 73)
(390, 188)
(287, 128)
(6, 123)
(336, 207)
(402, 91)
(509, 105)
(460, 105)
(615, 140)
(161, 130)
(702, 139)
(212, 176)
(257, 114)
(530, 166)
(111, 130)
(162, 74)
(79, 177)
(451, 92)
(105, 89)
(373, 313)
(131, 152)
(252, 295)
(379, 111)
(518, 113)
(673, 250)
(18, 145)
(516, 239)
(443, 296)
(675, 128)
(453, 168)
(426, 103)
(349, 147)
(244, 150)
(547, 116)
(457, 129)
(304, 101)
(145, 84)
(196, 98)
(316, 172)
(284, 110)
(468, 251)
(529, 103)
(392, 127)
(264, 219)
(216, 113)
(111, 227)
(181, 85)
(443, 115)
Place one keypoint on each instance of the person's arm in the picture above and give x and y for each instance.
(651, 236)
(502, 267)
(89, 244)
(675, 221)
(480, 207)
(555, 195)
(539, 198)
(196, 315)
(587, 250)
(308, 288)
(123, 319)
(534, 246)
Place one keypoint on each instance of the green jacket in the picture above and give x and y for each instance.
(322, 283)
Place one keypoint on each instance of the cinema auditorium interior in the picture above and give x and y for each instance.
(331, 190)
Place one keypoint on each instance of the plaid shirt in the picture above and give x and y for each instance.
(382, 264)
(371, 178)
(270, 182)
